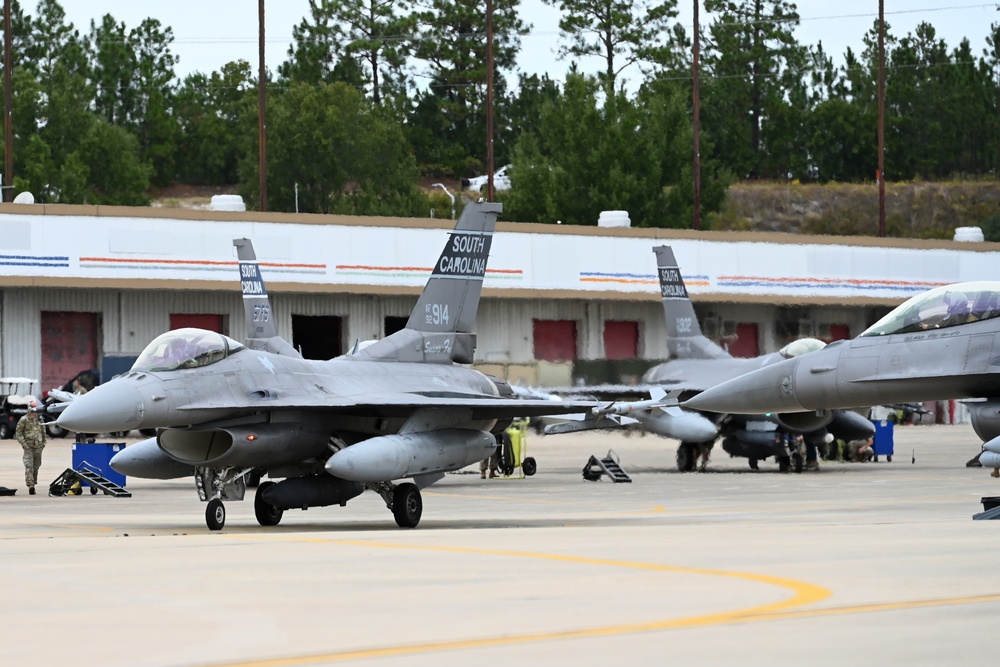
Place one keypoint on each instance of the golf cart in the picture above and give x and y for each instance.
(15, 398)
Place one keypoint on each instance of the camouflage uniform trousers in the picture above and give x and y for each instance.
(32, 462)
(30, 434)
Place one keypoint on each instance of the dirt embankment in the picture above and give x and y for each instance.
(912, 210)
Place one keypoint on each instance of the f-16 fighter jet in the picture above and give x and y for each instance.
(399, 409)
(939, 345)
(697, 364)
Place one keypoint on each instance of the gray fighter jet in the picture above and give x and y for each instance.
(401, 408)
(697, 364)
(941, 344)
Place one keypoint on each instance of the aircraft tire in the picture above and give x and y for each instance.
(407, 505)
(253, 478)
(753, 464)
(529, 467)
(797, 462)
(685, 457)
(266, 513)
(215, 514)
(784, 463)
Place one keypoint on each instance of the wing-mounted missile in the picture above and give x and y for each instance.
(661, 415)
(388, 457)
(255, 445)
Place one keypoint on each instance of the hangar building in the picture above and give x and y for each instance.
(88, 287)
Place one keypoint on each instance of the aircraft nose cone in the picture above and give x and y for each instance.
(768, 389)
(115, 406)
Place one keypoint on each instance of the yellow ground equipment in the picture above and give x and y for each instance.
(513, 451)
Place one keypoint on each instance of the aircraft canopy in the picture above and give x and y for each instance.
(941, 307)
(801, 346)
(185, 348)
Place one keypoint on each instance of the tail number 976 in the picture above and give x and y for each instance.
(261, 313)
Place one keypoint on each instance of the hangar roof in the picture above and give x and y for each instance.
(157, 248)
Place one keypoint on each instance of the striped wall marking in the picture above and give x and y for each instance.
(34, 260)
(636, 279)
(194, 265)
(828, 283)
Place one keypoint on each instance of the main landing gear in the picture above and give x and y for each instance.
(217, 485)
(403, 500)
(266, 513)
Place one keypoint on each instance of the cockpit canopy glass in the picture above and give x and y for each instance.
(801, 346)
(941, 307)
(185, 348)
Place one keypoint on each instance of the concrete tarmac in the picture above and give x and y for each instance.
(860, 564)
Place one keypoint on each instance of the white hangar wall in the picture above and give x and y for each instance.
(135, 267)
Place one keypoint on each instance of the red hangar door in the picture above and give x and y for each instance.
(69, 345)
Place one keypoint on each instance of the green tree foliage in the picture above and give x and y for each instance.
(318, 52)
(211, 110)
(751, 59)
(587, 157)
(619, 32)
(344, 155)
(59, 99)
(449, 117)
(113, 71)
(155, 125)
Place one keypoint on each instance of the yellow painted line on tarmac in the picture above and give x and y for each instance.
(874, 607)
(802, 594)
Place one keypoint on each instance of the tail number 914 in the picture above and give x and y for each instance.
(436, 313)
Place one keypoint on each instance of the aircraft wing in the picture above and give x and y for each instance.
(395, 405)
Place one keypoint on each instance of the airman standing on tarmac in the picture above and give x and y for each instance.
(31, 434)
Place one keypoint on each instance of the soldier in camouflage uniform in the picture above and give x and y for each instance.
(31, 434)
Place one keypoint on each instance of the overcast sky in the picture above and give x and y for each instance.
(211, 33)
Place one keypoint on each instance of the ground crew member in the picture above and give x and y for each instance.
(31, 434)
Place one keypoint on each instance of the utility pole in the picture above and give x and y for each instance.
(881, 118)
(7, 193)
(696, 121)
(489, 100)
(262, 108)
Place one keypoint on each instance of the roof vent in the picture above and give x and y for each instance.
(227, 203)
(974, 234)
(614, 219)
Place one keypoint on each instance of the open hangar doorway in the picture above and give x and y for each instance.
(318, 336)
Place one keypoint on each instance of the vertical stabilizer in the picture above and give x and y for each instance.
(262, 334)
(440, 327)
(684, 337)
(451, 298)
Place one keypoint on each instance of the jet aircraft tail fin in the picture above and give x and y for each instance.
(440, 327)
(684, 337)
(262, 334)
